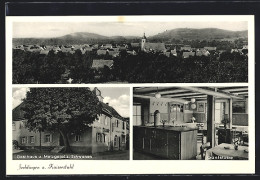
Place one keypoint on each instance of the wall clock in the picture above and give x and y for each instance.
(193, 106)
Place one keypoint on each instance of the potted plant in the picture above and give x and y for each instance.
(236, 142)
(193, 119)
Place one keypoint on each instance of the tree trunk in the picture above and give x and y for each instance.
(40, 140)
(66, 142)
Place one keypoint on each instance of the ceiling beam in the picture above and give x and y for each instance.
(189, 97)
(232, 88)
(211, 92)
(241, 93)
(149, 90)
(180, 100)
(184, 95)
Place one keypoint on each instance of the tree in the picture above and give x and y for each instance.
(51, 70)
(106, 74)
(25, 67)
(64, 110)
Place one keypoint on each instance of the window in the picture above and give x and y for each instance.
(77, 137)
(32, 139)
(176, 107)
(123, 125)
(137, 115)
(123, 138)
(23, 139)
(99, 137)
(104, 138)
(22, 124)
(14, 127)
(218, 113)
(47, 138)
(117, 123)
(115, 141)
(106, 120)
(239, 107)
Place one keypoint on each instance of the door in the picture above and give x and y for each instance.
(119, 143)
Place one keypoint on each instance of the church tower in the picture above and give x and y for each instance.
(97, 92)
(143, 42)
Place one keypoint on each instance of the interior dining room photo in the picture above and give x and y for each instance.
(190, 123)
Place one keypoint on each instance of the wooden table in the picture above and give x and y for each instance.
(220, 152)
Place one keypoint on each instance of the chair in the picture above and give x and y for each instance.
(203, 148)
(200, 138)
(245, 139)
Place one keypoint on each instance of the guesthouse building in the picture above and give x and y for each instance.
(108, 132)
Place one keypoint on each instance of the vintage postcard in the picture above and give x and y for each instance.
(130, 95)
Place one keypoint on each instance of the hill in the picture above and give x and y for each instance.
(200, 34)
(77, 38)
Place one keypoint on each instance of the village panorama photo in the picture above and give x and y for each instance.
(121, 51)
(70, 123)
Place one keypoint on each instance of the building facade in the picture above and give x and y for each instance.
(108, 132)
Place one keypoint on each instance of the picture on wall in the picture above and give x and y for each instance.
(201, 107)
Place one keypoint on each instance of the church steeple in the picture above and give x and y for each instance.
(143, 42)
(144, 37)
(97, 92)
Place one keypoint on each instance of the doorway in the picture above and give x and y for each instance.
(61, 142)
(119, 143)
(220, 113)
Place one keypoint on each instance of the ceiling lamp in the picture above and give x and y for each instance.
(193, 100)
(157, 95)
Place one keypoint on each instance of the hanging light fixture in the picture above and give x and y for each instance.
(186, 102)
(157, 95)
(193, 100)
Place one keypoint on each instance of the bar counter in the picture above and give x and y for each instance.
(167, 142)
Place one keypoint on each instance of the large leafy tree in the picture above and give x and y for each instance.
(64, 110)
(52, 68)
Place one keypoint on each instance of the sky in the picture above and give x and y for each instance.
(57, 29)
(117, 97)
